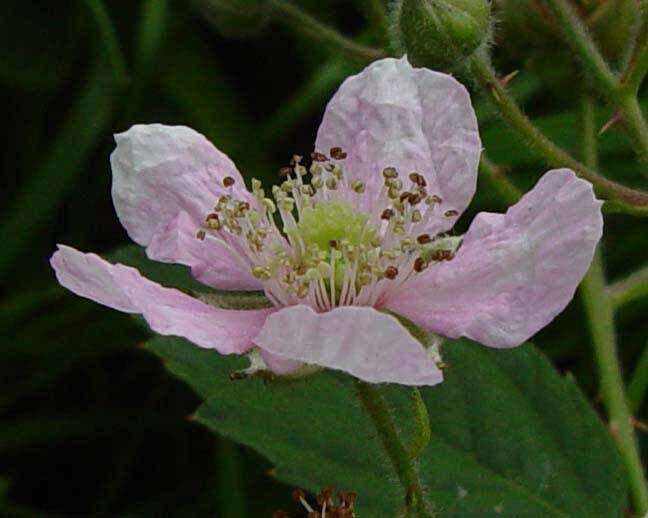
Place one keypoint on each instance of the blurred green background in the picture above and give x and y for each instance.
(91, 425)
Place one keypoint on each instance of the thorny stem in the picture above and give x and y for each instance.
(300, 20)
(628, 200)
(405, 466)
(601, 323)
(623, 97)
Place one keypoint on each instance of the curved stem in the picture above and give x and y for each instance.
(601, 323)
(582, 45)
(628, 200)
(300, 20)
(605, 80)
(629, 289)
(405, 467)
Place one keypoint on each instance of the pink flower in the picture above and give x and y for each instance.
(396, 164)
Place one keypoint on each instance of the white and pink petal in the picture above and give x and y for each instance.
(366, 343)
(167, 311)
(162, 173)
(514, 272)
(414, 119)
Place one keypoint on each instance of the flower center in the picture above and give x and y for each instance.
(334, 247)
(333, 221)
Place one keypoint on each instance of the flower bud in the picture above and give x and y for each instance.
(440, 34)
(236, 18)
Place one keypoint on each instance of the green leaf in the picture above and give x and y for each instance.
(510, 436)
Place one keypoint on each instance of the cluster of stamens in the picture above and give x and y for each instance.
(328, 507)
(335, 246)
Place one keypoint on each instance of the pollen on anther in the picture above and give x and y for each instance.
(450, 213)
(228, 181)
(418, 179)
(423, 239)
(201, 235)
(390, 172)
(285, 171)
(391, 272)
(387, 214)
(419, 264)
(338, 153)
(316, 156)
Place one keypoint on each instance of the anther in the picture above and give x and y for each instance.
(358, 186)
(433, 199)
(318, 157)
(423, 239)
(420, 264)
(296, 159)
(285, 171)
(390, 172)
(450, 213)
(261, 273)
(418, 179)
(416, 216)
(228, 181)
(405, 196)
(213, 222)
(414, 199)
(442, 255)
(331, 183)
(387, 214)
(337, 153)
(391, 272)
(200, 235)
(269, 205)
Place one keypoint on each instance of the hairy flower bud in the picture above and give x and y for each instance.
(440, 33)
(236, 18)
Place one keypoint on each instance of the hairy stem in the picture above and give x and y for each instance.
(600, 316)
(627, 200)
(623, 99)
(376, 406)
(303, 22)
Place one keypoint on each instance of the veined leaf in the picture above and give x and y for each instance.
(510, 436)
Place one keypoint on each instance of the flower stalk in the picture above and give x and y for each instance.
(600, 315)
(628, 200)
(405, 466)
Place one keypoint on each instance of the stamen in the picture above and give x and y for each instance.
(391, 272)
(228, 181)
(337, 153)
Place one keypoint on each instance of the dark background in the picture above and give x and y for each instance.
(91, 425)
